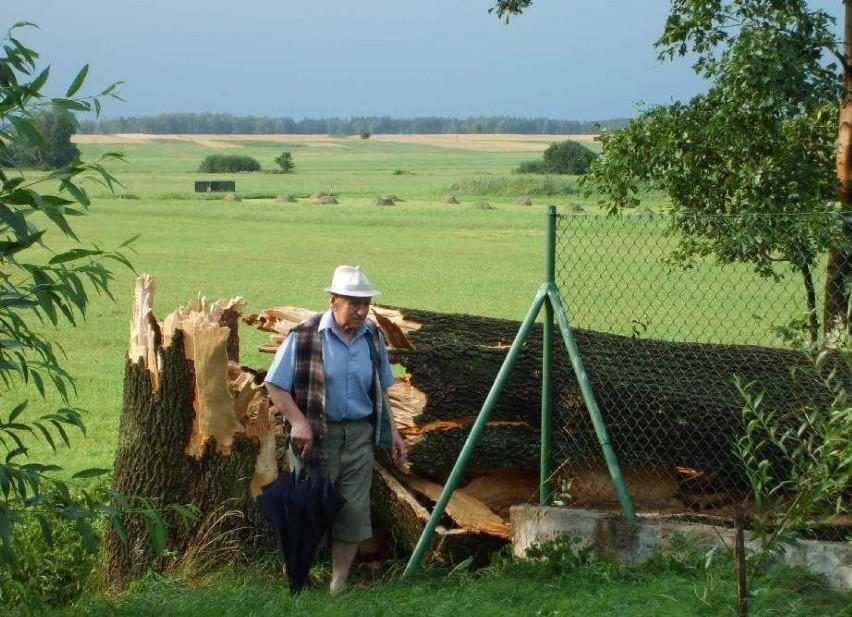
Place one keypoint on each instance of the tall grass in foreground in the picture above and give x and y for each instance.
(661, 588)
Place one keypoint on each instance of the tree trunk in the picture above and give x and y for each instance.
(838, 273)
(665, 405)
(810, 296)
(187, 437)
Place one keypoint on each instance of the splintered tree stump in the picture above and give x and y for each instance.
(189, 436)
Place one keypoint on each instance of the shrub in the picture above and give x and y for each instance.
(285, 161)
(566, 157)
(218, 163)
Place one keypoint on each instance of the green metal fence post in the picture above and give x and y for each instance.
(591, 403)
(544, 488)
(476, 431)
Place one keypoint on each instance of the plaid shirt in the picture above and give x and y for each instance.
(309, 383)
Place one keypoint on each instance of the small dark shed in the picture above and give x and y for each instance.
(215, 186)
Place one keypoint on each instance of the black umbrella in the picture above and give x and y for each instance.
(301, 508)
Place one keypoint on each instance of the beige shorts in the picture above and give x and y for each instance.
(348, 463)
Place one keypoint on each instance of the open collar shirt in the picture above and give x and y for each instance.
(347, 367)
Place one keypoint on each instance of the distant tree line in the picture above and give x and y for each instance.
(223, 124)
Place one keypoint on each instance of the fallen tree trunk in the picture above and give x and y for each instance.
(665, 405)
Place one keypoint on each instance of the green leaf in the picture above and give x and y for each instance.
(75, 191)
(16, 220)
(71, 104)
(19, 408)
(90, 473)
(118, 528)
(26, 128)
(46, 529)
(73, 255)
(78, 81)
(46, 434)
(37, 84)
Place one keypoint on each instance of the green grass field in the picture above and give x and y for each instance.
(421, 253)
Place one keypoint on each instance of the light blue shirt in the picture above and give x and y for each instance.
(348, 370)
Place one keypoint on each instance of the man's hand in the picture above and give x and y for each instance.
(302, 437)
(398, 450)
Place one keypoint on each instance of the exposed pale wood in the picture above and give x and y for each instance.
(652, 487)
(206, 346)
(279, 320)
(145, 333)
(465, 510)
(396, 316)
(243, 390)
(392, 329)
(398, 514)
(500, 491)
(260, 427)
(407, 403)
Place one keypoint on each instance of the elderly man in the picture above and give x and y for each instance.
(329, 380)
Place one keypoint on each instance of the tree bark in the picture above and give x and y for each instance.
(838, 273)
(185, 439)
(663, 403)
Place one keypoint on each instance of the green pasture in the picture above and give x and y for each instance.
(461, 258)
(348, 166)
(483, 256)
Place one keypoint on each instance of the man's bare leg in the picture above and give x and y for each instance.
(342, 556)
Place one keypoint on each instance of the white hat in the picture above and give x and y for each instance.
(351, 282)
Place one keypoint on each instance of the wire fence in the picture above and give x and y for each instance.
(663, 346)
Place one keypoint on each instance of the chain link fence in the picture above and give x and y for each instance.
(664, 346)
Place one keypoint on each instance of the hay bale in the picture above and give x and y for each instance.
(286, 199)
(327, 199)
(390, 196)
(574, 208)
(523, 200)
(643, 211)
(484, 206)
(383, 201)
(319, 195)
(449, 199)
(232, 197)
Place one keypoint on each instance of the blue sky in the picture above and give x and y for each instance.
(565, 59)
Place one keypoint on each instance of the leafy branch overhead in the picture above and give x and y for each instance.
(35, 292)
(761, 143)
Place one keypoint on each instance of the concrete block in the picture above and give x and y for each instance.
(610, 536)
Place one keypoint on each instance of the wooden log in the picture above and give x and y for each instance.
(399, 515)
(465, 510)
(667, 407)
(663, 403)
(434, 449)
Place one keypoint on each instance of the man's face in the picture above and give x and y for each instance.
(349, 313)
